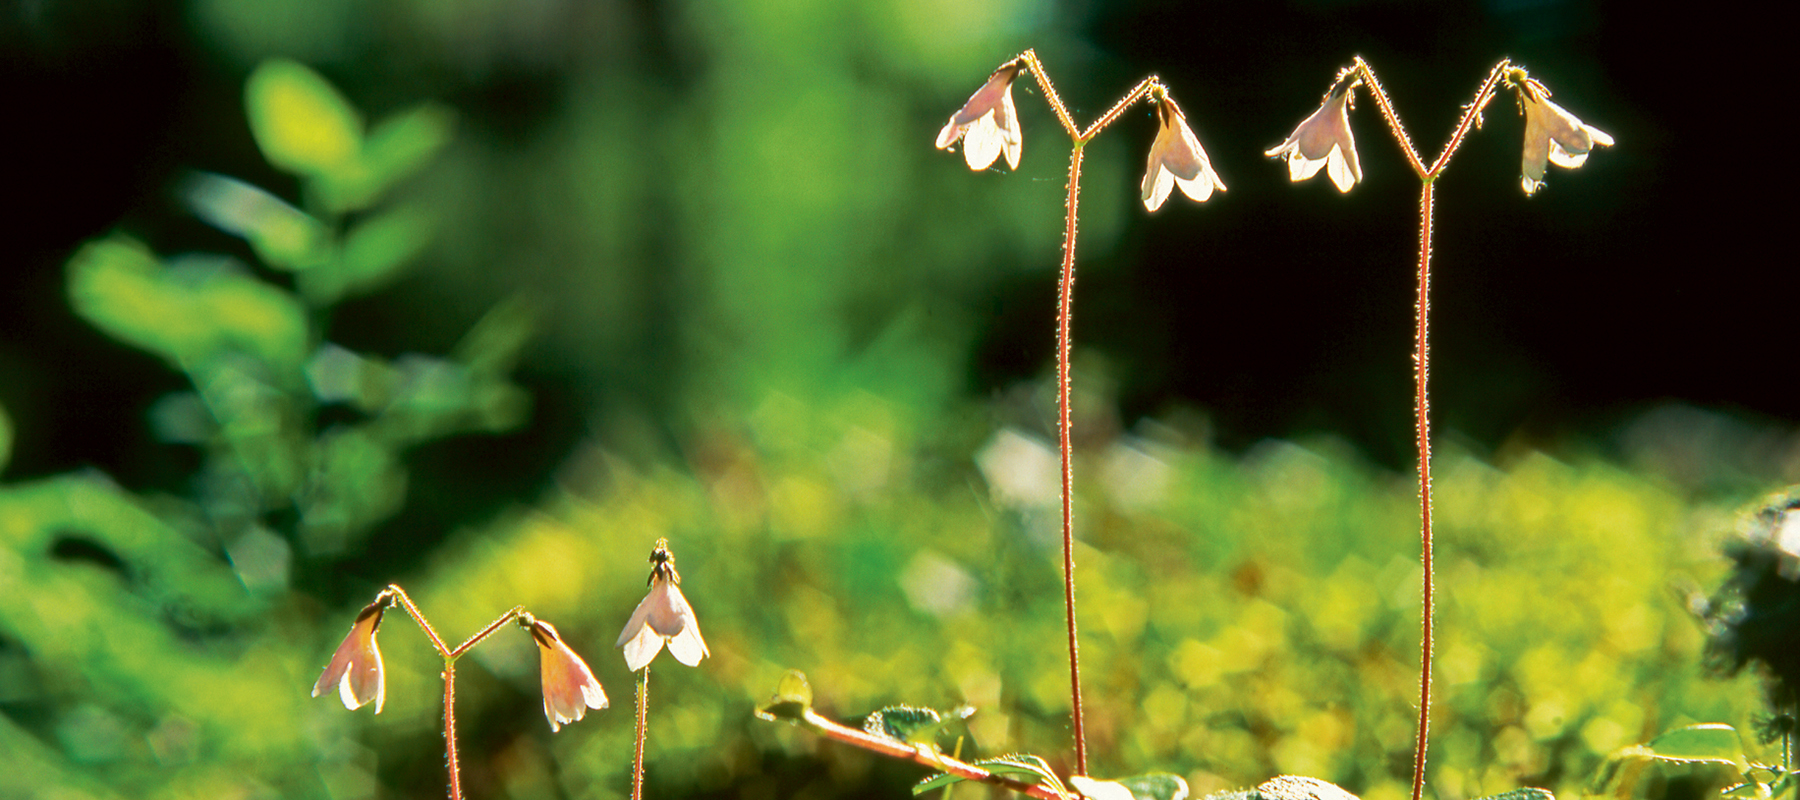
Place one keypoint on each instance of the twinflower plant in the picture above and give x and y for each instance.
(1323, 139)
(987, 124)
(662, 617)
(570, 689)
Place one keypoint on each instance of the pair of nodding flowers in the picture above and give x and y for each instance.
(569, 687)
(1551, 134)
(988, 125)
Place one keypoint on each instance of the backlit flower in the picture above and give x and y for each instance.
(1176, 158)
(663, 617)
(1324, 140)
(988, 124)
(569, 686)
(1551, 132)
(356, 666)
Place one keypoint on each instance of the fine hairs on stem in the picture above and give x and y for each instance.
(988, 126)
(643, 731)
(1324, 140)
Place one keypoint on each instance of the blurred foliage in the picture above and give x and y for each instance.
(756, 266)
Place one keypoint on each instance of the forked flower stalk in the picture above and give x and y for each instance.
(1324, 138)
(569, 686)
(988, 125)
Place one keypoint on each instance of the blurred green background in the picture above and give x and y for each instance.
(485, 297)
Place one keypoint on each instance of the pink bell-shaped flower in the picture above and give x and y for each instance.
(664, 616)
(355, 668)
(988, 124)
(1176, 159)
(1323, 140)
(1551, 133)
(569, 686)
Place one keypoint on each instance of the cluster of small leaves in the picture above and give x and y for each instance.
(169, 660)
(256, 353)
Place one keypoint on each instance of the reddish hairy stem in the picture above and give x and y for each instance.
(1422, 363)
(1422, 427)
(895, 748)
(643, 730)
(450, 728)
(1066, 299)
(394, 592)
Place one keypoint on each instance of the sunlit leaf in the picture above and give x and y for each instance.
(793, 698)
(1708, 742)
(301, 122)
(1526, 793)
(189, 313)
(284, 237)
(373, 253)
(1019, 764)
(1099, 790)
(1300, 787)
(395, 148)
(1156, 786)
(909, 724)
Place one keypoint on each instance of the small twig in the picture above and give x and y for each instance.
(925, 756)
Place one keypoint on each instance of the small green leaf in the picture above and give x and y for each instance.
(793, 699)
(1526, 793)
(395, 149)
(1708, 742)
(937, 781)
(372, 254)
(301, 122)
(1025, 764)
(1099, 790)
(284, 237)
(189, 313)
(1300, 787)
(912, 725)
(1156, 786)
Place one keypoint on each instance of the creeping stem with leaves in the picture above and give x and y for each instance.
(1324, 140)
(355, 669)
(988, 125)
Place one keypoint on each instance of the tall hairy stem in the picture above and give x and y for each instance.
(1065, 298)
(1422, 429)
(1422, 363)
(1064, 339)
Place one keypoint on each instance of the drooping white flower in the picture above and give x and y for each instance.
(1176, 159)
(1324, 140)
(988, 124)
(1551, 133)
(664, 616)
(355, 668)
(569, 686)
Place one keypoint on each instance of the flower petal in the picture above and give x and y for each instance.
(355, 667)
(569, 686)
(642, 648)
(1324, 140)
